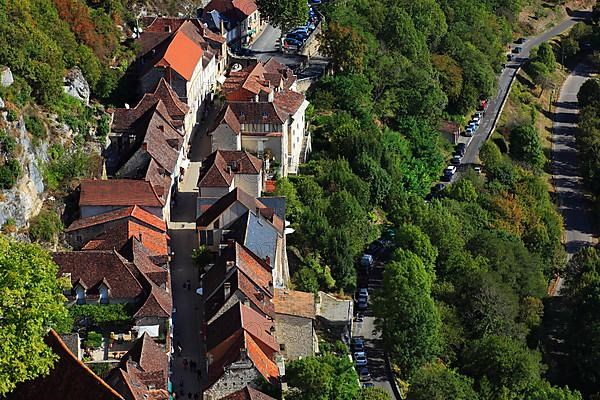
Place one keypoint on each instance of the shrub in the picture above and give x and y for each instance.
(8, 144)
(101, 314)
(9, 173)
(201, 256)
(46, 226)
(11, 115)
(64, 166)
(103, 126)
(35, 126)
(94, 340)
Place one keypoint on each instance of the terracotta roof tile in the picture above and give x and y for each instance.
(261, 112)
(118, 192)
(132, 212)
(292, 302)
(248, 393)
(238, 9)
(91, 268)
(157, 304)
(265, 365)
(219, 168)
(69, 378)
(288, 101)
(149, 356)
(182, 55)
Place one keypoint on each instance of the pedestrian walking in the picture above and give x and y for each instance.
(189, 395)
(196, 396)
(193, 365)
(185, 363)
(198, 373)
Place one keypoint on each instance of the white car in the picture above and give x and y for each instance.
(469, 131)
(450, 170)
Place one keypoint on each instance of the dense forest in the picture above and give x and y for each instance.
(462, 293)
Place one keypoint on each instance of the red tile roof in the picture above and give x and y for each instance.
(248, 393)
(157, 304)
(118, 192)
(292, 302)
(91, 268)
(119, 234)
(151, 360)
(220, 167)
(182, 55)
(270, 186)
(288, 101)
(69, 378)
(236, 8)
(263, 363)
(132, 213)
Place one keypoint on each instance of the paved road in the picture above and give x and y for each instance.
(182, 231)
(574, 206)
(380, 374)
(504, 84)
(267, 46)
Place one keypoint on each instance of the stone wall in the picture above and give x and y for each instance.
(296, 336)
(237, 376)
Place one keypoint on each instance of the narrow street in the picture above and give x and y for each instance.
(573, 204)
(187, 318)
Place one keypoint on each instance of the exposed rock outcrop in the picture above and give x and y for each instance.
(76, 86)
(25, 199)
(6, 76)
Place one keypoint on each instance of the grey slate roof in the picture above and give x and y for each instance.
(256, 234)
(277, 203)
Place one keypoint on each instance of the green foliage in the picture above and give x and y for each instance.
(312, 275)
(101, 314)
(437, 382)
(373, 393)
(10, 171)
(284, 14)
(201, 257)
(588, 139)
(406, 314)
(589, 93)
(32, 302)
(94, 340)
(326, 377)
(503, 368)
(45, 227)
(545, 55)
(35, 126)
(64, 165)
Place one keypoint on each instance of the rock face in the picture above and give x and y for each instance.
(25, 199)
(6, 76)
(76, 86)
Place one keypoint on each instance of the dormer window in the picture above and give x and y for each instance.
(103, 291)
(79, 294)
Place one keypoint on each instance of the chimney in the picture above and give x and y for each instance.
(127, 106)
(168, 28)
(227, 289)
(243, 354)
(161, 128)
(271, 286)
(140, 236)
(268, 261)
(271, 96)
(246, 302)
(272, 329)
(145, 146)
(222, 27)
(229, 265)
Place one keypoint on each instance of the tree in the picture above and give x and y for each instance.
(326, 377)
(504, 368)
(589, 93)
(412, 238)
(45, 227)
(545, 55)
(345, 47)
(31, 302)
(525, 145)
(451, 75)
(437, 382)
(373, 393)
(284, 14)
(406, 314)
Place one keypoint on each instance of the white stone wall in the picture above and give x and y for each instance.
(224, 138)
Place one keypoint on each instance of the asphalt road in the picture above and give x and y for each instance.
(267, 45)
(504, 84)
(380, 375)
(573, 204)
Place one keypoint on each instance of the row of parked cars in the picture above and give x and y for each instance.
(359, 354)
(295, 38)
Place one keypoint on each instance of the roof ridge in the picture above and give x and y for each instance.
(64, 347)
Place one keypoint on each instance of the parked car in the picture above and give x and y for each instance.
(450, 170)
(357, 343)
(461, 148)
(476, 118)
(364, 374)
(296, 36)
(521, 40)
(363, 292)
(368, 385)
(300, 29)
(517, 49)
(360, 359)
(477, 169)
(456, 160)
(362, 303)
(366, 261)
(292, 44)
(469, 131)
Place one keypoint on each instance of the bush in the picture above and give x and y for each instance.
(45, 227)
(9, 173)
(94, 340)
(103, 126)
(101, 314)
(11, 115)
(201, 256)
(35, 126)
(64, 166)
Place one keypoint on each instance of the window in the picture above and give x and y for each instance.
(80, 295)
(282, 347)
(103, 294)
(206, 237)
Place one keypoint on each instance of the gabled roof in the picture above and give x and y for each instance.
(118, 192)
(157, 304)
(220, 167)
(92, 268)
(288, 101)
(237, 10)
(117, 236)
(241, 317)
(69, 378)
(293, 302)
(182, 55)
(257, 112)
(259, 237)
(247, 393)
(132, 212)
(249, 274)
(149, 357)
